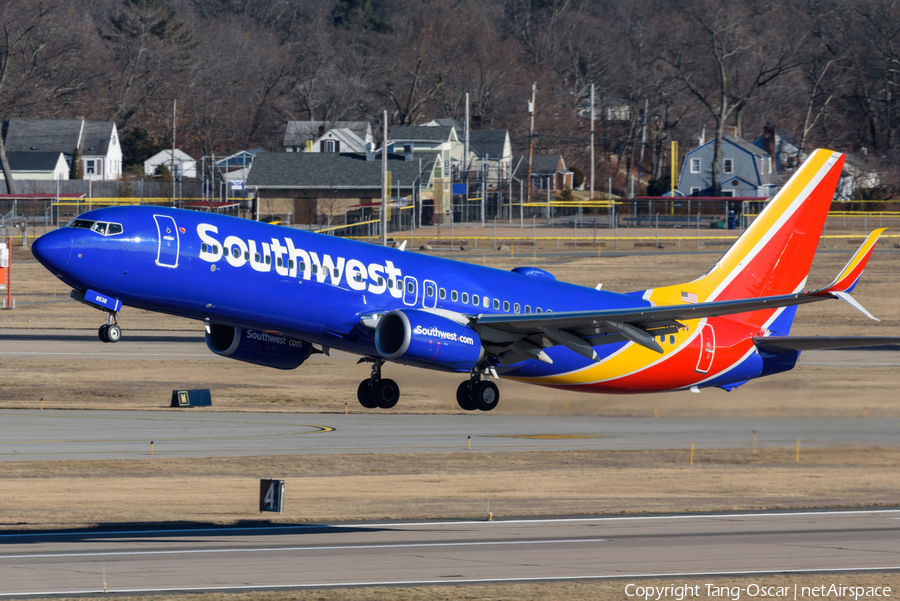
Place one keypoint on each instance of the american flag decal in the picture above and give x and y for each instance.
(688, 297)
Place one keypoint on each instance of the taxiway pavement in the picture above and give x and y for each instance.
(32, 435)
(395, 553)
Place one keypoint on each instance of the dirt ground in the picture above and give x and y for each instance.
(62, 494)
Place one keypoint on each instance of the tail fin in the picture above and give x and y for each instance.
(774, 254)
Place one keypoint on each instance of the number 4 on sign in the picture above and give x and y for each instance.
(271, 495)
(270, 498)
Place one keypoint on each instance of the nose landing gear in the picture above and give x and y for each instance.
(110, 332)
(377, 392)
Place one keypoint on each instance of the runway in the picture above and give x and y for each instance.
(397, 553)
(31, 435)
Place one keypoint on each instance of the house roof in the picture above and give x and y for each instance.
(33, 161)
(59, 135)
(166, 155)
(327, 170)
(238, 159)
(350, 141)
(445, 122)
(420, 133)
(298, 132)
(745, 145)
(541, 164)
(96, 137)
(43, 135)
(488, 142)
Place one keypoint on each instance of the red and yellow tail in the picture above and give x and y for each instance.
(774, 254)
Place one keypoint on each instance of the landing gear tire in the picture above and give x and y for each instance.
(464, 398)
(113, 333)
(102, 333)
(485, 395)
(364, 394)
(385, 393)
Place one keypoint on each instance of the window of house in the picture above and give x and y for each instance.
(695, 190)
(728, 165)
(727, 192)
(329, 145)
(695, 165)
(90, 167)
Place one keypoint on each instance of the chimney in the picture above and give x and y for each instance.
(731, 130)
(407, 152)
(370, 151)
(321, 130)
(769, 140)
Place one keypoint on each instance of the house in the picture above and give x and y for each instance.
(341, 139)
(607, 107)
(37, 165)
(237, 166)
(859, 175)
(746, 170)
(184, 165)
(316, 187)
(782, 147)
(299, 135)
(548, 172)
(489, 149)
(101, 153)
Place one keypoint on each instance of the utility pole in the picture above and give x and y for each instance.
(530, 143)
(174, 102)
(384, 182)
(592, 142)
(466, 155)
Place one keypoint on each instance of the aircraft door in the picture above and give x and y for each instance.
(429, 295)
(410, 291)
(707, 348)
(169, 242)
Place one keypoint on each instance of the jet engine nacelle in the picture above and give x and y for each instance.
(424, 337)
(253, 346)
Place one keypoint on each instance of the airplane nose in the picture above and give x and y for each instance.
(53, 250)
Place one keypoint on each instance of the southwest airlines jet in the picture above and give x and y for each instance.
(272, 296)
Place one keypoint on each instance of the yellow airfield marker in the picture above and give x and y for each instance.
(345, 408)
(42, 404)
(754, 437)
(692, 453)
(798, 450)
(151, 447)
(470, 442)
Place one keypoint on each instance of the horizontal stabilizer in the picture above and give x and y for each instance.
(780, 344)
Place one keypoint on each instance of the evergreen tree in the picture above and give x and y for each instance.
(77, 171)
(351, 14)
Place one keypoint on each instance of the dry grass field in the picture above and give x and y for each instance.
(56, 494)
(596, 590)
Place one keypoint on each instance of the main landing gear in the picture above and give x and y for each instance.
(110, 331)
(377, 392)
(476, 393)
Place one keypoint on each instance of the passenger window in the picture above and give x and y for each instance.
(315, 268)
(268, 259)
(203, 247)
(538, 310)
(506, 306)
(516, 307)
(215, 249)
(475, 299)
(256, 258)
(279, 261)
(527, 309)
(390, 283)
(381, 281)
(454, 296)
(442, 293)
(672, 339)
(429, 291)
(302, 266)
(247, 255)
(496, 303)
(410, 287)
(357, 277)
(291, 264)
(465, 298)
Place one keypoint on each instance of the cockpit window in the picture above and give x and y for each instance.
(101, 227)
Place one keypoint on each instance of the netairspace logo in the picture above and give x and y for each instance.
(681, 592)
(436, 333)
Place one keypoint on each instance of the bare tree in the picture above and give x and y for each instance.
(724, 54)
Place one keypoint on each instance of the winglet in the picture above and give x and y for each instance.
(847, 279)
(849, 276)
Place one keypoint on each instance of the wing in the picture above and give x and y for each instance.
(515, 338)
